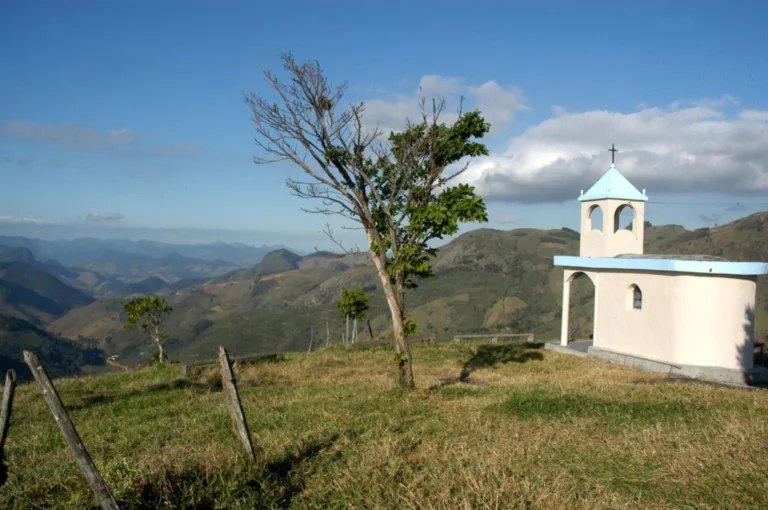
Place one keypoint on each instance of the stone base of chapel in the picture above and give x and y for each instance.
(758, 375)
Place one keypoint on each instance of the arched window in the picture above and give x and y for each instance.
(596, 218)
(624, 218)
(635, 297)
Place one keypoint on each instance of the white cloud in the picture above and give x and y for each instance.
(498, 103)
(702, 145)
(504, 220)
(755, 115)
(103, 216)
(21, 220)
(434, 84)
(694, 147)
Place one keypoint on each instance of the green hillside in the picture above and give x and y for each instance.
(487, 281)
(278, 261)
(31, 293)
(60, 356)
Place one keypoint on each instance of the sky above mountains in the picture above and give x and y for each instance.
(125, 119)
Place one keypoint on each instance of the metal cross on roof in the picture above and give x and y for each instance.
(613, 150)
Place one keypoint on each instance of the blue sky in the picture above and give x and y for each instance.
(125, 119)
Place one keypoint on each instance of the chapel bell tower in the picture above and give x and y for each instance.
(601, 206)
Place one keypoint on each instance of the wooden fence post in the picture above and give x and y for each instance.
(5, 413)
(5, 420)
(234, 404)
(82, 457)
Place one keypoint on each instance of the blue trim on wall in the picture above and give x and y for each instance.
(665, 265)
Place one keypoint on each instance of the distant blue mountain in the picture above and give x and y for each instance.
(77, 252)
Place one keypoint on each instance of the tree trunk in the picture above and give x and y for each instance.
(346, 335)
(156, 338)
(370, 329)
(397, 311)
(354, 331)
(160, 349)
(161, 356)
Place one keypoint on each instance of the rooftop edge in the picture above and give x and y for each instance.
(670, 264)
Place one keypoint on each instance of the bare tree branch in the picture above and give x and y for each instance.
(329, 232)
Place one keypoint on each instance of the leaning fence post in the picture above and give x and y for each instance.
(5, 420)
(234, 404)
(5, 413)
(82, 457)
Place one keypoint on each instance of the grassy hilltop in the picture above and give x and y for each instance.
(528, 429)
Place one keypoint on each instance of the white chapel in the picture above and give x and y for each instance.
(681, 315)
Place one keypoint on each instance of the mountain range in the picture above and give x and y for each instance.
(78, 252)
(487, 281)
(42, 280)
(120, 267)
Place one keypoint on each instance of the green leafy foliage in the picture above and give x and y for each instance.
(147, 313)
(411, 328)
(353, 303)
(413, 205)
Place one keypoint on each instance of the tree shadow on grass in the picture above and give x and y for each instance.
(492, 355)
(89, 401)
(272, 484)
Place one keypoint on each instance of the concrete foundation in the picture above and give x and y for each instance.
(565, 350)
(757, 375)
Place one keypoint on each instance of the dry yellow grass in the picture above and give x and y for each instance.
(529, 429)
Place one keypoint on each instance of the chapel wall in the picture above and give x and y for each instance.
(647, 332)
(685, 319)
(716, 320)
